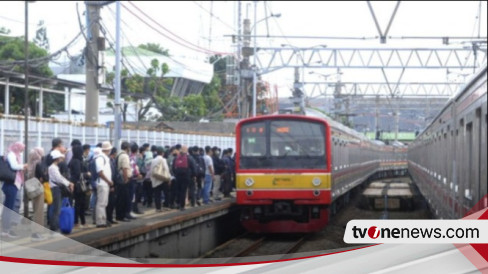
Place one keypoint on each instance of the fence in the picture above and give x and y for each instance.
(41, 132)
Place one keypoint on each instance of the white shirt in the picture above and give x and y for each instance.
(103, 164)
(12, 160)
(55, 176)
(208, 162)
(156, 161)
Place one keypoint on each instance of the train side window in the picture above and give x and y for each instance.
(469, 161)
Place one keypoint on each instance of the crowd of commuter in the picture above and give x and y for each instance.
(113, 185)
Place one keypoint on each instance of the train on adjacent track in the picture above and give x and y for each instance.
(448, 159)
(293, 169)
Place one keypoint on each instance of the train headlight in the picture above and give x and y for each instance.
(249, 182)
(316, 181)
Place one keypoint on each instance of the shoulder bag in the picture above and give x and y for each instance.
(33, 188)
(7, 174)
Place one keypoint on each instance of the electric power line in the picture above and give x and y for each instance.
(213, 15)
(182, 41)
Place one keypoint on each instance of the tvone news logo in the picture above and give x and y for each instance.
(418, 231)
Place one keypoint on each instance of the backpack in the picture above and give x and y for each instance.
(116, 176)
(200, 163)
(181, 163)
(92, 168)
(141, 165)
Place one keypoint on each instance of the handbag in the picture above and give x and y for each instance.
(66, 217)
(48, 195)
(160, 173)
(7, 174)
(81, 185)
(33, 188)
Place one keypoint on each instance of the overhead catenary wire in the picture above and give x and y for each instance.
(214, 16)
(110, 40)
(176, 39)
(112, 13)
(45, 58)
(139, 57)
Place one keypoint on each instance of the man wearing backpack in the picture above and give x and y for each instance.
(185, 172)
(192, 195)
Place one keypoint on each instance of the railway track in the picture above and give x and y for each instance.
(271, 245)
(249, 244)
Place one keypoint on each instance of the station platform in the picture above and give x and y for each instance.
(151, 224)
(171, 233)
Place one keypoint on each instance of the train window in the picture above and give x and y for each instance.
(296, 138)
(253, 139)
(283, 144)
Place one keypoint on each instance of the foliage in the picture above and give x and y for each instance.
(4, 30)
(151, 91)
(154, 47)
(12, 49)
(210, 95)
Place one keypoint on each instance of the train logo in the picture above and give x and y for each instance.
(249, 182)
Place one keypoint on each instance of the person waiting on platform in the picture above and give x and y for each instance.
(11, 189)
(104, 184)
(56, 182)
(185, 172)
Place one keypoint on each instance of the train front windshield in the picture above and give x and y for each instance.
(283, 144)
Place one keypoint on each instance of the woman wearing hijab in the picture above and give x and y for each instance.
(78, 170)
(11, 189)
(35, 169)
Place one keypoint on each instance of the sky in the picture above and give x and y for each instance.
(191, 20)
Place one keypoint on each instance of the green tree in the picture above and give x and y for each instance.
(145, 91)
(211, 97)
(154, 47)
(12, 58)
(4, 30)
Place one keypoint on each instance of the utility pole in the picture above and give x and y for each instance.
(91, 54)
(246, 74)
(397, 121)
(117, 118)
(239, 57)
(254, 76)
(376, 124)
(26, 81)
(298, 95)
(337, 97)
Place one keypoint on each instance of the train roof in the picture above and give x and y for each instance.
(318, 114)
(311, 112)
